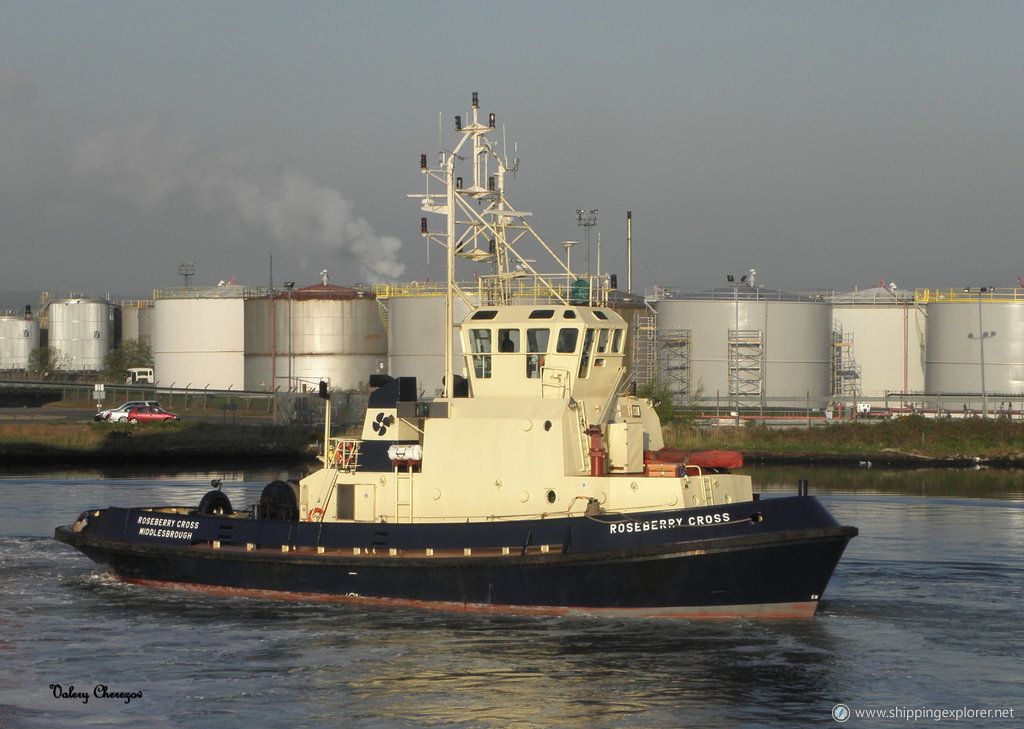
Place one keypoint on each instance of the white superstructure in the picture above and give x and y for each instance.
(534, 417)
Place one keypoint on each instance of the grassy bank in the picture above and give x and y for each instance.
(903, 441)
(906, 441)
(182, 443)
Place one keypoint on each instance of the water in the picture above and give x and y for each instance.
(923, 613)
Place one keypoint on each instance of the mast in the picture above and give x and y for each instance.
(449, 291)
(481, 226)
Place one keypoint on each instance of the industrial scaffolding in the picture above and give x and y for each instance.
(746, 367)
(674, 363)
(645, 364)
(845, 370)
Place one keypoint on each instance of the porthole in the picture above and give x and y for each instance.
(547, 425)
(551, 496)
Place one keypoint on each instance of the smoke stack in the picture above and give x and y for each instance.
(629, 251)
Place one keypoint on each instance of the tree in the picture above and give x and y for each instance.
(48, 359)
(130, 353)
(662, 398)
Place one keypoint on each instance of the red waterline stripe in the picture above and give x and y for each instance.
(774, 611)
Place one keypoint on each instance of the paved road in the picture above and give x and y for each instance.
(45, 414)
(53, 414)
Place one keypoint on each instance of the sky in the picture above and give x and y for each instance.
(828, 145)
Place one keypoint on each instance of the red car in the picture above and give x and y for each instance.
(149, 414)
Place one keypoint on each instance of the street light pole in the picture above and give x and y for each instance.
(587, 219)
(984, 390)
(289, 285)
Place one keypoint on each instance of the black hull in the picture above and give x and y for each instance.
(770, 558)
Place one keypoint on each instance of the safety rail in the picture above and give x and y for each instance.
(737, 293)
(344, 453)
(209, 292)
(523, 288)
(970, 295)
(409, 289)
(527, 288)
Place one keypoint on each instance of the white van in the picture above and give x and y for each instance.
(135, 375)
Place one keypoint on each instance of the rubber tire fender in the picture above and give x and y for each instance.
(215, 503)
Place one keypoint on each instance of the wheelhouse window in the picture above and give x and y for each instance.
(536, 348)
(617, 341)
(567, 340)
(588, 346)
(508, 340)
(480, 345)
(603, 336)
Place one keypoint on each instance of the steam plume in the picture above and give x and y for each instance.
(147, 163)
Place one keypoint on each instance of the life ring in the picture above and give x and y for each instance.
(344, 452)
(313, 514)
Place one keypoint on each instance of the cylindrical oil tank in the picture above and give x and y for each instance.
(960, 325)
(137, 321)
(198, 338)
(746, 347)
(80, 331)
(880, 337)
(416, 337)
(19, 335)
(320, 332)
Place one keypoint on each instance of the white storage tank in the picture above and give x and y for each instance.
(198, 337)
(960, 323)
(751, 347)
(80, 329)
(137, 321)
(320, 332)
(415, 317)
(19, 335)
(880, 342)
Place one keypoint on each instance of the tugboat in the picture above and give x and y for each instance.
(535, 481)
